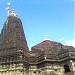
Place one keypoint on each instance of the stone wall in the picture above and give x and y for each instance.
(12, 69)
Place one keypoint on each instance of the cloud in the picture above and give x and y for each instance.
(74, 0)
(62, 39)
(70, 42)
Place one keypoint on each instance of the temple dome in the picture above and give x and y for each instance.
(47, 46)
(53, 51)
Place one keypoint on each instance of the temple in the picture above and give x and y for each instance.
(46, 58)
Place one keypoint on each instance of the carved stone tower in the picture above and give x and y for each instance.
(12, 34)
(13, 47)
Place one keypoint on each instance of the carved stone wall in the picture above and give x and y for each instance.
(12, 34)
(46, 58)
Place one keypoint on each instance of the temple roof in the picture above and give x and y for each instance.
(47, 45)
(66, 49)
(53, 51)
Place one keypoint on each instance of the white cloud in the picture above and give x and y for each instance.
(70, 42)
(62, 39)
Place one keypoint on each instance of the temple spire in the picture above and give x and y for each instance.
(46, 37)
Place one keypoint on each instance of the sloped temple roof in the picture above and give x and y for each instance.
(53, 51)
(48, 45)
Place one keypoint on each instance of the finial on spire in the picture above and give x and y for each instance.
(13, 9)
(8, 8)
(46, 36)
(8, 3)
(10, 12)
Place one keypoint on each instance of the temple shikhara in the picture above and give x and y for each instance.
(46, 58)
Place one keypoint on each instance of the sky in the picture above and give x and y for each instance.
(40, 17)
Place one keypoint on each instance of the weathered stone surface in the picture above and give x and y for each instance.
(47, 49)
(47, 45)
(12, 35)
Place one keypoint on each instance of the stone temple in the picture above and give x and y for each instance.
(46, 58)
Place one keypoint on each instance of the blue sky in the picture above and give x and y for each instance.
(40, 17)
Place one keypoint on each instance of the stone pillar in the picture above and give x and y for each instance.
(72, 68)
(33, 70)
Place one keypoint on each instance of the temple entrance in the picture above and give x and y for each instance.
(66, 68)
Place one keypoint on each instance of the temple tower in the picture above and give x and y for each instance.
(13, 46)
(12, 34)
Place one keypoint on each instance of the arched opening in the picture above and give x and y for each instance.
(66, 68)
